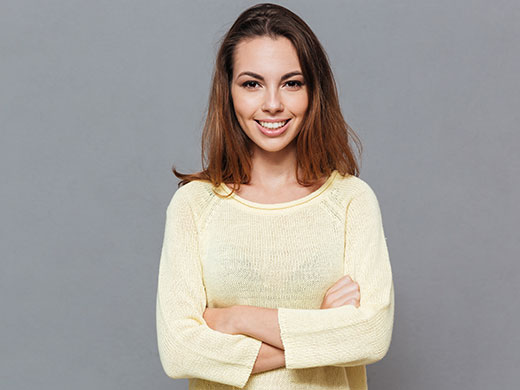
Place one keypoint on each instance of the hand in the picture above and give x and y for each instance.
(220, 319)
(344, 292)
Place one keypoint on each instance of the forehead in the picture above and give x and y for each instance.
(266, 56)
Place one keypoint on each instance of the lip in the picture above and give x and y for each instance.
(273, 133)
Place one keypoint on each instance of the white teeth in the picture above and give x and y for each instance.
(272, 125)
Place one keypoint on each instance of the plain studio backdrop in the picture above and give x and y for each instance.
(98, 99)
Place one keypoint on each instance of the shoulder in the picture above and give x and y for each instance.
(362, 204)
(193, 189)
(349, 187)
(196, 196)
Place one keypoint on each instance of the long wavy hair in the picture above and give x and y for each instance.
(322, 143)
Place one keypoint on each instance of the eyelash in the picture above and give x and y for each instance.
(245, 84)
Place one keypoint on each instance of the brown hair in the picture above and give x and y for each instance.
(322, 143)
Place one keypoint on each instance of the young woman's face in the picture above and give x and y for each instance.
(268, 85)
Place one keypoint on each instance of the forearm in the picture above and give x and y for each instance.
(269, 358)
(260, 323)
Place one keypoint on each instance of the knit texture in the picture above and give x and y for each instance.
(222, 252)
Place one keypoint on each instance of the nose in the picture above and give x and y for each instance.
(272, 102)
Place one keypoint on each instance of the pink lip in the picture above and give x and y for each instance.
(272, 133)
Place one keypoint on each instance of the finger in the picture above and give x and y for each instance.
(345, 297)
(342, 301)
(341, 294)
(340, 283)
(345, 288)
(353, 302)
(350, 288)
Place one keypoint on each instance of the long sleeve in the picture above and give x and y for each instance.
(188, 347)
(348, 336)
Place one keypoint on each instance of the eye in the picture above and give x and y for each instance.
(247, 84)
(297, 84)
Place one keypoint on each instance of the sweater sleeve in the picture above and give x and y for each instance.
(188, 347)
(347, 336)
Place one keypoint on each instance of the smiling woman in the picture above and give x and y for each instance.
(270, 98)
(281, 279)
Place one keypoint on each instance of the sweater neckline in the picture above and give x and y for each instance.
(282, 205)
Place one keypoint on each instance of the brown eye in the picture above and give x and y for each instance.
(248, 84)
(296, 83)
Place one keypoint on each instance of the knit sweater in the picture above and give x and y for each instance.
(222, 252)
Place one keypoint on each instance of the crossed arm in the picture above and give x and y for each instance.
(258, 322)
(262, 323)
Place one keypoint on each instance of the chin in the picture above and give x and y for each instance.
(273, 147)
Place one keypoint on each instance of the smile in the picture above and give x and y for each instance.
(273, 125)
(275, 129)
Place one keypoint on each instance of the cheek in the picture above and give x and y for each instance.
(299, 104)
(304, 107)
(244, 105)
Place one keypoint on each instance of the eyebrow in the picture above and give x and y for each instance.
(284, 77)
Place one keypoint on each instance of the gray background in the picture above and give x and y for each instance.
(99, 99)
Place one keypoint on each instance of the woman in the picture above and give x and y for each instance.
(274, 270)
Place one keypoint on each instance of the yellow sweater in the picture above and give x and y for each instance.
(222, 252)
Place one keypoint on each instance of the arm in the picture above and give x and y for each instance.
(348, 335)
(188, 347)
(231, 320)
(260, 323)
(269, 358)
